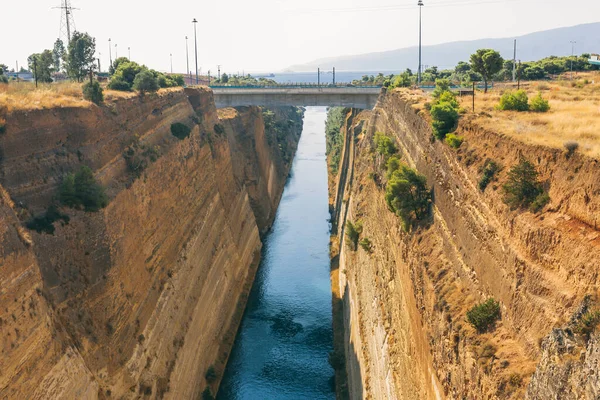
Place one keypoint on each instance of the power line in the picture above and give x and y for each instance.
(409, 6)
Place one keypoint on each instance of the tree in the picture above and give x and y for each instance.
(124, 74)
(58, 54)
(224, 78)
(462, 67)
(522, 186)
(441, 86)
(80, 58)
(444, 117)
(407, 195)
(81, 189)
(486, 62)
(41, 64)
(145, 82)
(115, 65)
(3, 69)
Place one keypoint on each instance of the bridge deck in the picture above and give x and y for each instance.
(357, 97)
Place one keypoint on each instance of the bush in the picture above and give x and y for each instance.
(490, 168)
(522, 187)
(211, 374)
(484, 315)
(92, 91)
(366, 244)
(219, 129)
(207, 394)
(538, 104)
(407, 195)
(81, 190)
(588, 323)
(3, 79)
(444, 117)
(393, 164)
(384, 144)
(516, 101)
(441, 86)
(353, 232)
(570, 146)
(145, 82)
(453, 141)
(44, 223)
(540, 202)
(180, 131)
(119, 84)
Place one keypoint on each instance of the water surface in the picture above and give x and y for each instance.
(285, 336)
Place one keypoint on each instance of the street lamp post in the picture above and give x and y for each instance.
(171, 55)
(109, 51)
(420, 4)
(187, 60)
(572, 55)
(196, 47)
(129, 53)
(116, 53)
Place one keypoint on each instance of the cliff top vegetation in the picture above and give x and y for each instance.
(25, 96)
(573, 116)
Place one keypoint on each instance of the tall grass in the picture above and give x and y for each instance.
(574, 115)
(25, 96)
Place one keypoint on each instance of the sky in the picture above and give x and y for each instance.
(270, 35)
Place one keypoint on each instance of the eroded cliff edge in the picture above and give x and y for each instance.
(405, 302)
(140, 298)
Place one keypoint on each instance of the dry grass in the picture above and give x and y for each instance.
(25, 96)
(574, 114)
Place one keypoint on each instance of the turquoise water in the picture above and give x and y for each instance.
(285, 336)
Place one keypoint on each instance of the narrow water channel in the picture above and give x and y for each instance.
(283, 342)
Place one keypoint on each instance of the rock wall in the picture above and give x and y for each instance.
(406, 301)
(145, 295)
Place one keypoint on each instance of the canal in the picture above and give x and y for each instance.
(282, 346)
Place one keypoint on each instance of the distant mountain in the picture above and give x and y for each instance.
(530, 47)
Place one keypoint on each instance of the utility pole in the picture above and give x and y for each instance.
(171, 55)
(35, 71)
(110, 52)
(473, 96)
(116, 54)
(572, 55)
(209, 77)
(129, 53)
(333, 76)
(319, 77)
(515, 62)
(519, 76)
(187, 60)
(99, 70)
(196, 47)
(420, 4)
(17, 70)
(219, 72)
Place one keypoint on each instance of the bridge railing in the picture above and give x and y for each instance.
(296, 86)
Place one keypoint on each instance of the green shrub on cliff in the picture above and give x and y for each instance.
(406, 194)
(384, 145)
(523, 189)
(45, 223)
(211, 374)
(484, 315)
(92, 91)
(80, 190)
(145, 81)
(207, 394)
(353, 232)
(490, 169)
(180, 131)
(453, 140)
(334, 137)
(444, 116)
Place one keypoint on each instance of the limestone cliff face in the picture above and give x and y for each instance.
(406, 301)
(145, 295)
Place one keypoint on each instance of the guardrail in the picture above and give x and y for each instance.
(294, 86)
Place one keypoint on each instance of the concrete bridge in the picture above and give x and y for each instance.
(342, 96)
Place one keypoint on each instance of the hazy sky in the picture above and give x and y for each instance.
(270, 35)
